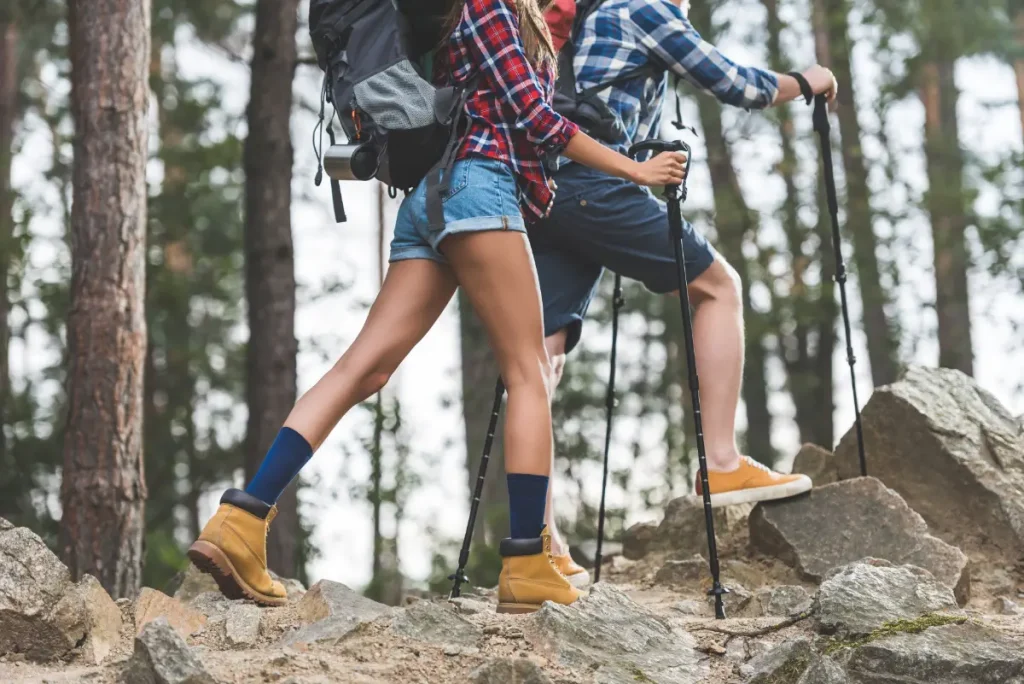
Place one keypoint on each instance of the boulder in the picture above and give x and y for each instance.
(817, 463)
(509, 671)
(683, 530)
(844, 522)
(188, 584)
(615, 640)
(951, 654)
(162, 657)
(783, 664)
(783, 601)
(329, 611)
(683, 575)
(861, 597)
(152, 604)
(43, 614)
(242, 625)
(636, 541)
(437, 623)
(953, 452)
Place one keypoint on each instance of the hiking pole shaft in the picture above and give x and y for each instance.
(675, 220)
(617, 303)
(823, 128)
(459, 576)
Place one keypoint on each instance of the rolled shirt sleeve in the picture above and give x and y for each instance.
(496, 43)
(669, 37)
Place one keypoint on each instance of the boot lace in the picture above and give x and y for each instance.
(757, 464)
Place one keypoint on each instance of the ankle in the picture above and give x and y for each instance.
(723, 461)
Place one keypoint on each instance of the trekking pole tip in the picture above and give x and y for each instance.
(718, 591)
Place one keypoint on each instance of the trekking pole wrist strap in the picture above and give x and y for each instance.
(805, 87)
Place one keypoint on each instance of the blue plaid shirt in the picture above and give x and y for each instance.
(624, 34)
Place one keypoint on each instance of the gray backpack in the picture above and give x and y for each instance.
(377, 56)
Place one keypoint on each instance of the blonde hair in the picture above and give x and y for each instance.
(533, 29)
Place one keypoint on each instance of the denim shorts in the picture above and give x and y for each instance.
(483, 196)
(598, 222)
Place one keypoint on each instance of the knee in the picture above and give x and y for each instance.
(720, 283)
(531, 371)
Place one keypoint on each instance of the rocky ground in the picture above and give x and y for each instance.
(916, 576)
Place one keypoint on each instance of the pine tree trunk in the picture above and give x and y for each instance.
(833, 43)
(1018, 63)
(8, 114)
(945, 201)
(270, 268)
(103, 489)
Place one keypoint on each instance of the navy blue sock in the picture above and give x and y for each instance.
(527, 497)
(289, 452)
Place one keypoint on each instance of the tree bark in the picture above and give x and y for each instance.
(8, 114)
(270, 268)
(946, 204)
(103, 490)
(832, 40)
(735, 222)
(808, 359)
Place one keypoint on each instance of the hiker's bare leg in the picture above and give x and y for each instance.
(718, 346)
(555, 345)
(496, 271)
(414, 294)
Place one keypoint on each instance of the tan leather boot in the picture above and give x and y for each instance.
(529, 576)
(233, 549)
(572, 571)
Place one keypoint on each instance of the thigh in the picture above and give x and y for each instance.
(496, 270)
(624, 228)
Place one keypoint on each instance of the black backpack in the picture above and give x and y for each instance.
(376, 56)
(584, 107)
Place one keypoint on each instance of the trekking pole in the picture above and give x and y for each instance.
(617, 302)
(823, 128)
(459, 576)
(675, 195)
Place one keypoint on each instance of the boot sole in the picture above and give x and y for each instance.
(212, 561)
(517, 608)
(755, 494)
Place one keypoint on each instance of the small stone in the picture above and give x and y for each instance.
(713, 648)
(162, 657)
(434, 623)
(152, 604)
(817, 463)
(492, 629)
(784, 663)
(692, 607)
(190, 583)
(735, 602)
(242, 625)
(509, 671)
(329, 611)
(468, 606)
(683, 574)
(512, 633)
(783, 601)
(1007, 607)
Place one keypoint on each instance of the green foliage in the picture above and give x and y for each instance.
(893, 628)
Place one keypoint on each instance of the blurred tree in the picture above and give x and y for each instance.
(270, 266)
(103, 490)
(1017, 56)
(8, 115)
(805, 314)
(737, 223)
(834, 49)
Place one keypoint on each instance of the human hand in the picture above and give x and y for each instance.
(822, 81)
(667, 168)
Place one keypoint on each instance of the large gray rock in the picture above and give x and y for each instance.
(861, 597)
(953, 452)
(844, 522)
(636, 541)
(435, 623)
(817, 463)
(43, 614)
(162, 657)
(329, 611)
(783, 664)
(782, 601)
(683, 530)
(616, 640)
(509, 671)
(953, 654)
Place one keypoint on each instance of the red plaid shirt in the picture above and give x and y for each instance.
(510, 114)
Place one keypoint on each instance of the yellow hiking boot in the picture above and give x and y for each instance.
(529, 576)
(576, 574)
(752, 482)
(233, 549)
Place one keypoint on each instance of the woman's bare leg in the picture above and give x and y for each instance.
(496, 270)
(414, 294)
